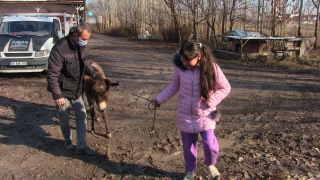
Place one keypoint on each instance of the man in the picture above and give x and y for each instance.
(66, 68)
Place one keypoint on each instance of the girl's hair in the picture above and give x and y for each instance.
(189, 50)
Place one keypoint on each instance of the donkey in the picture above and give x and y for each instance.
(97, 90)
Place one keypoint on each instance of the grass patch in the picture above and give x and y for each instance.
(288, 62)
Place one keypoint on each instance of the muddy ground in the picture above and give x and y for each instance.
(270, 126)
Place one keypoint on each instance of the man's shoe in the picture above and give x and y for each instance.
(68, 144)
(87, 151)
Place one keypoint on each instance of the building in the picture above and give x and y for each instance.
(239, 43)
(77, 7)
(305, 19)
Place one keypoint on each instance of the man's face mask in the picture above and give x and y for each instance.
(82, 42)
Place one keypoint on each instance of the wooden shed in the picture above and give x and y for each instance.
(240, 43)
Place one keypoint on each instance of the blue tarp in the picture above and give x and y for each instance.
(242, 33)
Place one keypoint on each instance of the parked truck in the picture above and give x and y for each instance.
(26, 40)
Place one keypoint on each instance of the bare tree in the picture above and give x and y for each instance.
(273, 17)
(97, 7)
(224, 14)
(300, 12)
(231, 14)
(317, 5)
(259, 17)
(282, 17)
(172, 4)
(204, 17)
(210, 13)
(152, 16)
(196, 16)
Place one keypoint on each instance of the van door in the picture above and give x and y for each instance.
(56, 29)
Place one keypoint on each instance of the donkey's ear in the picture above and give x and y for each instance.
(111, 82)
(88, 79)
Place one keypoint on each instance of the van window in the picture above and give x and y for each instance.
(26, 28)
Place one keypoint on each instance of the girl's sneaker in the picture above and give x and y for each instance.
(189, 176)
(214, 173)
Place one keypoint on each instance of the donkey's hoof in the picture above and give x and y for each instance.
(97, 119)
(109, 135)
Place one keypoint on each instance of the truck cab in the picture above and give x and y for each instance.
(26, 41)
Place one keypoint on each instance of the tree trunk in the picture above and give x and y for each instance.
(300, 12)
(172, 6)
(223, 17)
(231, 18)
(273, 21)
(258, 19)
(176, 23)
(317, 22)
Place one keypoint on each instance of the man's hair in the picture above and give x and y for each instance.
(80, 28)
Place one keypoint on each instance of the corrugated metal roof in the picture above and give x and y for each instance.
(42, 6)
(246, 35)
(242, 33)
(261, 38)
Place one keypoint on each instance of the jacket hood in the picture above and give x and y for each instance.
(177, 62)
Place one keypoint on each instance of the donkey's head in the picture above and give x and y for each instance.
(100, 89)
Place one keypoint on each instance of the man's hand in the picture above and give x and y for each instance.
(60, 102)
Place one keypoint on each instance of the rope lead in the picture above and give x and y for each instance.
(149, 107)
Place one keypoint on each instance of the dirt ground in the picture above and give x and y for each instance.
(270, 126)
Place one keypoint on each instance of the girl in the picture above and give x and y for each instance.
(202, 86)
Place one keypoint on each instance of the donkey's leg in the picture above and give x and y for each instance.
(104, 117)
(96, 113)
(92, 113)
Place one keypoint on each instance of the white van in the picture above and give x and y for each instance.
(26, 41)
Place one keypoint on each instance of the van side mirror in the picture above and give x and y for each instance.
(59, 33)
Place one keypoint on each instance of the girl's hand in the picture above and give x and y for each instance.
(155, 103)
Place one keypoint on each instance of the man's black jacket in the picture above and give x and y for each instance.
(66, 68)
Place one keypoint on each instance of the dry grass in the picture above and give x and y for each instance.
(302, 63)
(310, 64)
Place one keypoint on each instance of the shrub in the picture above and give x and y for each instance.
(119, 32)
(258, 60)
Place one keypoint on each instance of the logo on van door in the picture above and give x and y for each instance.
(19, 44)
